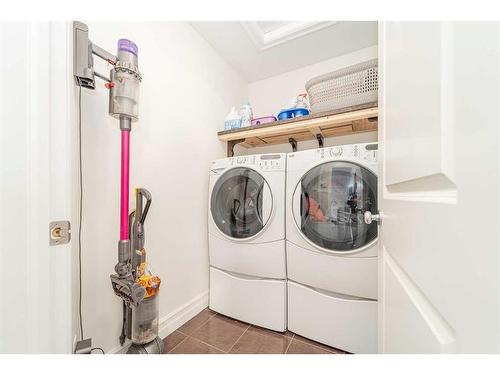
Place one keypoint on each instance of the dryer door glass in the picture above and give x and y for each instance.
(241, 203)
(333, 199)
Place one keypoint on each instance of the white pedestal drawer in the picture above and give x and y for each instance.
(257, 301)
(343, 323)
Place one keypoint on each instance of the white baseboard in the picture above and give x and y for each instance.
(177, 318)
(170, 322)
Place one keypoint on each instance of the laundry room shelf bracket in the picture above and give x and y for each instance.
(231, 144)
(352, 120)
(320, 139)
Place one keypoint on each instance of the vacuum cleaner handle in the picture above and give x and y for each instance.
(146, 194)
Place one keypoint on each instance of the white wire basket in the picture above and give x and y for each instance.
(351, 86)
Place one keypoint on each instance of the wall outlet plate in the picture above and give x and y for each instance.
(59, 232)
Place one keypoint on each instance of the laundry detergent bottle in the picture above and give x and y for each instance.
(233, 120)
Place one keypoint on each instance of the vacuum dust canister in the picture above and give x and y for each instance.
(125, 80)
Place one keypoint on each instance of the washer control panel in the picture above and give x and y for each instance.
(267, 162)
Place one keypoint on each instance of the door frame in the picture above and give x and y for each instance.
(50, 190)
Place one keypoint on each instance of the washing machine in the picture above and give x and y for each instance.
(246, 236)
(331, 251)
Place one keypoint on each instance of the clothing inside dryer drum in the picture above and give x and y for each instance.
(334, 198)
(236, 203)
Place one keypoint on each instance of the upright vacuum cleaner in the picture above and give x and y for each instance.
(133, 282)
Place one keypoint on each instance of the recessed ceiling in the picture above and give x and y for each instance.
(268, 34)
(261, 49)
(267, 26)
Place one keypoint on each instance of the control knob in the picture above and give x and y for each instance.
(336, 151)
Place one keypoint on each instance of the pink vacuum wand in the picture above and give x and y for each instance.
(124, 190)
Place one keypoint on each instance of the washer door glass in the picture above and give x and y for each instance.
(241, 203)
(332, 199)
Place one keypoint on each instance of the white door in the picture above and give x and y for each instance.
(35, 171)
(439, 187)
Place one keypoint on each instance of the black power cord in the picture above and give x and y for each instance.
(101, 349)
(80, 211)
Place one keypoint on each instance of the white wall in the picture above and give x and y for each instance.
(270, 95)
(186, 92)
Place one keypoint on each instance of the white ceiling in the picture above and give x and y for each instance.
(261, 49)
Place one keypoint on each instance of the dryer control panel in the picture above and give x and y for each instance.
(365, 151)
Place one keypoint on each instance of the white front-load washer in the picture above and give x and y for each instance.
(331, 251)
(246, 234)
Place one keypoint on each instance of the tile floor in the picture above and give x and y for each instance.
(213, 333)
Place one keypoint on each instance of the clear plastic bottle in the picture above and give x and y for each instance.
(303, 101)
(246, 114)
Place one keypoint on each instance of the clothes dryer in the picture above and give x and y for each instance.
(331, 251)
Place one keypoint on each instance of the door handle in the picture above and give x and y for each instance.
(369, 217)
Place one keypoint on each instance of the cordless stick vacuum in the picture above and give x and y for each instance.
(133, 282)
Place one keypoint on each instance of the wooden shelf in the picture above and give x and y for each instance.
(352, 120)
